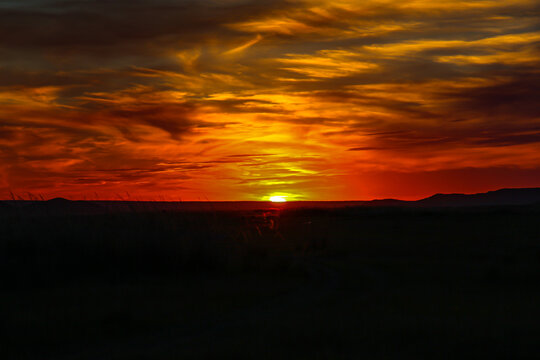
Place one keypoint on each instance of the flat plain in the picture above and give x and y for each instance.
(84, 281)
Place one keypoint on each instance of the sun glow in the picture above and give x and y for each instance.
(278, 198)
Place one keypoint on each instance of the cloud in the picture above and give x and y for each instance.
(237, 99)
(245, 46)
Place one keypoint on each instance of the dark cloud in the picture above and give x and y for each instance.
(143, 25)
(513, 98)
(174, 119)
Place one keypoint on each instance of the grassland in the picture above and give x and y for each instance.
(282, 284)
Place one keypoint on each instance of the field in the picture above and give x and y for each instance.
(299, 283)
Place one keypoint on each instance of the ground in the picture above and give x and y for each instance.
(302, 284)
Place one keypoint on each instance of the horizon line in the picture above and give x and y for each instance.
(42, 199)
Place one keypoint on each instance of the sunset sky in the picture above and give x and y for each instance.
(247, 99)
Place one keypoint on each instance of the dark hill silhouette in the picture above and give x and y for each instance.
(523, 196)
(59, 201)
(387, 202)
(58, 206)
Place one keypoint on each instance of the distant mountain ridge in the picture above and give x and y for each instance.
(58, 206)
(518, 196)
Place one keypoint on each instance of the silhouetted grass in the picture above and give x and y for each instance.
(462, 280)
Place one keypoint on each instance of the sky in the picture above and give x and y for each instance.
(247, 99)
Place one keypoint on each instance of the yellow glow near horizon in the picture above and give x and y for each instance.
(278, 198)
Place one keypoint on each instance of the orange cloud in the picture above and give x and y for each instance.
(311, 99)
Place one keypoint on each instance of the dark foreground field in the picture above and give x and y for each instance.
(352, 283)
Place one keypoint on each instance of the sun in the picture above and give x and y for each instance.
(278, 198)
